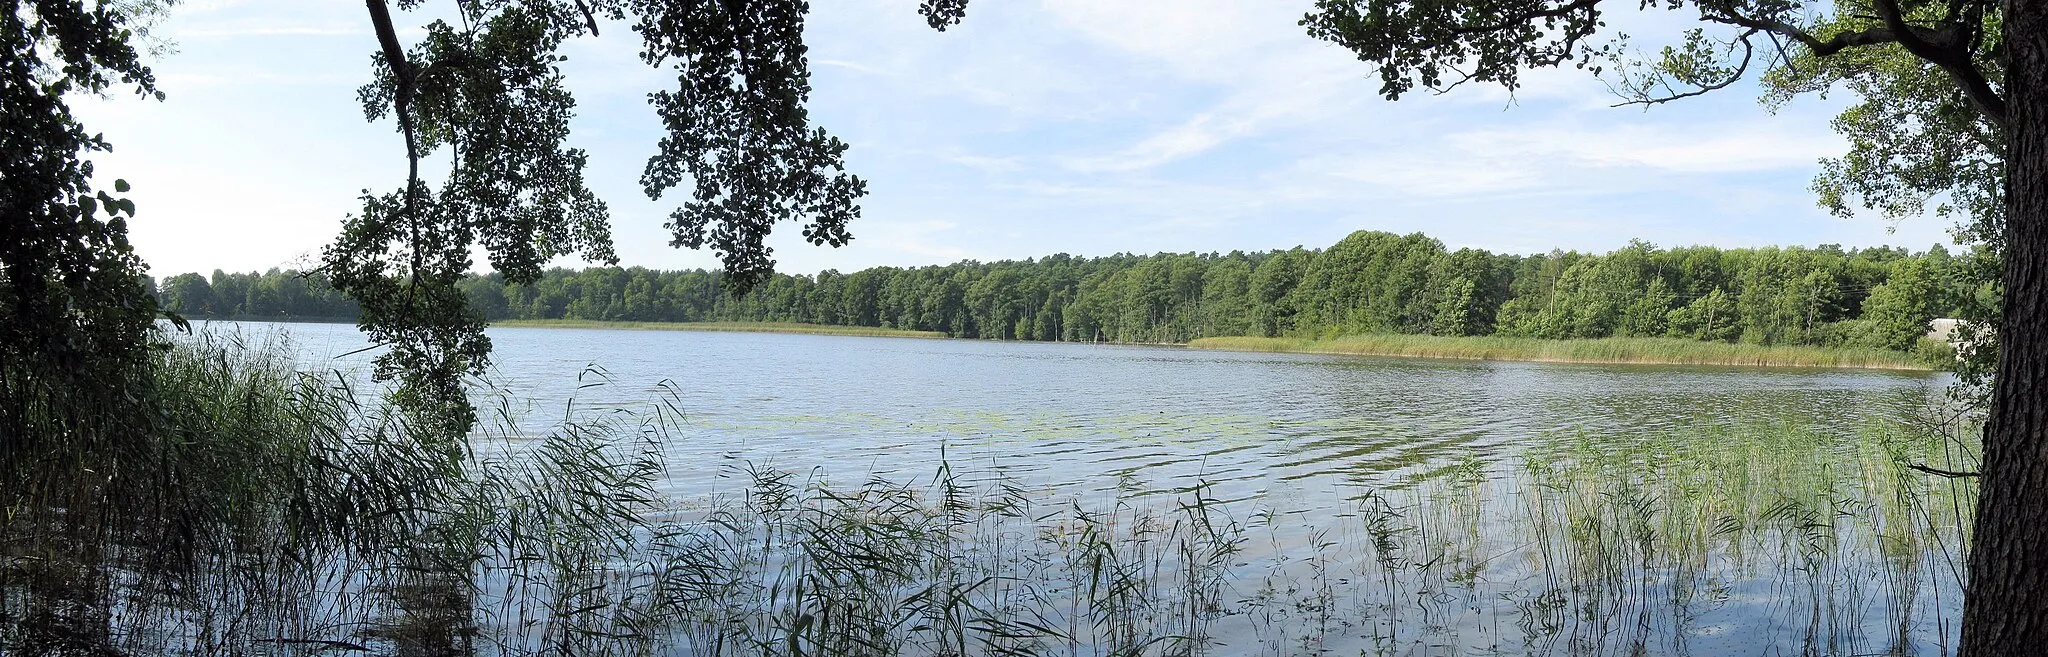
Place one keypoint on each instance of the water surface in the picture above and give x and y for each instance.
(1541, 508)
(1075, 417)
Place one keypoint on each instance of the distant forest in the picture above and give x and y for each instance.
(1371, 282)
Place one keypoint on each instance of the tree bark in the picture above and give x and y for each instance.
(2005, 609)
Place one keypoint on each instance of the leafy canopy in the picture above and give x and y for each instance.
(486, 89)
(74, 315)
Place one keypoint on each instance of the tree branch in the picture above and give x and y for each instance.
(1748, 52)
(1833, 45)
(1952, 474)
(1559, 11)
(401, 70)
(1947, 48)
(588, 18)
(401, 101)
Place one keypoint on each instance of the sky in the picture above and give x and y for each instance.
(1036, 127)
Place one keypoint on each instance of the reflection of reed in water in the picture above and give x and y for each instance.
(431, 615)
(325, 532)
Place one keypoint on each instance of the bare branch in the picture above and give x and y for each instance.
(1952, 474)
(1783, 57)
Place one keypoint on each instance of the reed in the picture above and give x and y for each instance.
(1642, 351)
(275, 512)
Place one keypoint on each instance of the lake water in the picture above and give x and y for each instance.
(1075, 417)
(1310, 436)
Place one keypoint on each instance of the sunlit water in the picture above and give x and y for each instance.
(1304, 435)
(1075, 418)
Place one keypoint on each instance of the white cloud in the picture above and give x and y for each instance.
(923, 239)
(1714, 148)
(1075, 126)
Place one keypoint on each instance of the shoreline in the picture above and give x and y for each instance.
(723, 327)
(1595, 351)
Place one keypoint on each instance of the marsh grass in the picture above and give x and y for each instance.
(1734, 540)
(276, 512)
(730, 327)
(1644, 351)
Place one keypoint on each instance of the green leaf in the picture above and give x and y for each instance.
(120, 185)
(89, 205)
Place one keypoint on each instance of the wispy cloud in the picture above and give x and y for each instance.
(269, 30)
(1075, 126)
(989, 164)
(924, 240)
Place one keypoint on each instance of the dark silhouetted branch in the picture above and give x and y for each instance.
(1952, 474)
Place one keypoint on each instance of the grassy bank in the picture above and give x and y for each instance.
(739, 327)
(1645, 351)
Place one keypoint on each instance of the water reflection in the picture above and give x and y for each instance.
(1380, 506)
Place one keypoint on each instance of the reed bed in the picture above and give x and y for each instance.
(733, 327)
(299, 520)
(1639, 351)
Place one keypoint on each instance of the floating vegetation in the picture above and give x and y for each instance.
(1642, 351)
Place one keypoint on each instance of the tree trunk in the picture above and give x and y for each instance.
(2005, 609)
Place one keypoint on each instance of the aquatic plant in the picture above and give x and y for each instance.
(280, 513)
(1647, 351)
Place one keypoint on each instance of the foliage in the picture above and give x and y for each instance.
(487, 89)
(1371, 282)
(276, 294)
(74, 315)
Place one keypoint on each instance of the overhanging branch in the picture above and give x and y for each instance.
(1947, 47)
(401, 101)
(1748, 53)
(1523, 18)
(1951, 474)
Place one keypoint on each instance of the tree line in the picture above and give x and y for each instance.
(1370, 282)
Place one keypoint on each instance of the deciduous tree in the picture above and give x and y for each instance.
(1956, 97)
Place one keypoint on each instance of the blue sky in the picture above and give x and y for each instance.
(1077, 126)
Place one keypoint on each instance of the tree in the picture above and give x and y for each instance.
(1899, 310)
(1712, 316)
(1455, 310)
(1649, 314)
(487, 89)
(75, 318)
(1971, 67)
(189, 294)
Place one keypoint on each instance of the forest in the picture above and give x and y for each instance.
(1369, 282)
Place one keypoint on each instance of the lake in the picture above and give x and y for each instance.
(1385, 506)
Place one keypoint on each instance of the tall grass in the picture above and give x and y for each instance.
(1649, 351)
(1757, 539)
(278, 513)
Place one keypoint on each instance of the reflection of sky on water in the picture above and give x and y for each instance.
(1301, 436)
(1070, 417)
